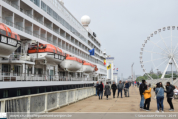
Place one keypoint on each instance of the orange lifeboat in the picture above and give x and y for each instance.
(46, 51)
(88, 67)
(71, 63)
(9, 41)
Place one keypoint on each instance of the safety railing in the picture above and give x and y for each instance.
(27, 13)
(38, 20)
(46, 101)
(16, 76)
(12, 4)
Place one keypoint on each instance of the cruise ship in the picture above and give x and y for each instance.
(44, 48)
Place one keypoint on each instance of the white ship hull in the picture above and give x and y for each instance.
(6, 50)
(88, 69)
(48, 57)
(70, 65)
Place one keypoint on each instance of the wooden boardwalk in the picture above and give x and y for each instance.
(125, 104)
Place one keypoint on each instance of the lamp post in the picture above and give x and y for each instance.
(172, 71)
(132, 71)
(157, 73)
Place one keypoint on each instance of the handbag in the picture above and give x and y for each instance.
(156, 94)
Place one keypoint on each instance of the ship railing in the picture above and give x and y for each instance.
(12, 4)
(7, 22)
(15, 76)
(48, 26)
(36, 35)
(59, 45)
(28, 31)
(26, 12)
(38, 20)
(43, 38)
(18, 27)
(12, 57)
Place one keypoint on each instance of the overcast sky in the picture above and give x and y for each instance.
(123, 25)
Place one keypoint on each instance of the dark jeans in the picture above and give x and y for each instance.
(169, 100)
(100, 94)
(114, 91)
(119, 90)
(160, 100)
(106, 96)
(147, 104)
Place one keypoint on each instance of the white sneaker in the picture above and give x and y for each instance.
(157, 111)
(171, 110)
(162, 111)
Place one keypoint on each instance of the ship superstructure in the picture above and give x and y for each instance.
(43, 47)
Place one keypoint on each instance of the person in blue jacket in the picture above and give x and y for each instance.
(159, 97)
(126, 89)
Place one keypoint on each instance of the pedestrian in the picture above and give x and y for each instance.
(170, 93)
(100, 88)
(113, 87)
(103, 85)
(147, 97)
(159, 97)
(137, 84)
(96, 86)
(142, 89)
(126, 88)
(120, 87)
(107, 90)
(133, 83)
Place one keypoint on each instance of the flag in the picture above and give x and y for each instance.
(109, 67)
(117, 69)
(92, 51)
(104, 62)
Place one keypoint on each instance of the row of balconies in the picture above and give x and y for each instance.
(27, 27)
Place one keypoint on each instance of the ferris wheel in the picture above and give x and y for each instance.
(159, 51)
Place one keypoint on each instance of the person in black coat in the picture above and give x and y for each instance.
(142, 89)
(113, 87)
(170, 93)
(100, 88)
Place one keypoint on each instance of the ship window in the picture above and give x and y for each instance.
(2, 32)
(43, 6)
(18, 92)
(9, 34)
(29, 91)
(37, 2)
(45, 89)
(15, 36)
(38, 90)
(49, 11)
(5, 94)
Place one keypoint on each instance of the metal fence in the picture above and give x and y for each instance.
(45, 102)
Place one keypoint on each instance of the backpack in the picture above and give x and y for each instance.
(173, 87)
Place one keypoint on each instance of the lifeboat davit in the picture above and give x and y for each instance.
(71, 63)
(46, 51)
(9, 41)
(96, 68)
(88, 67)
